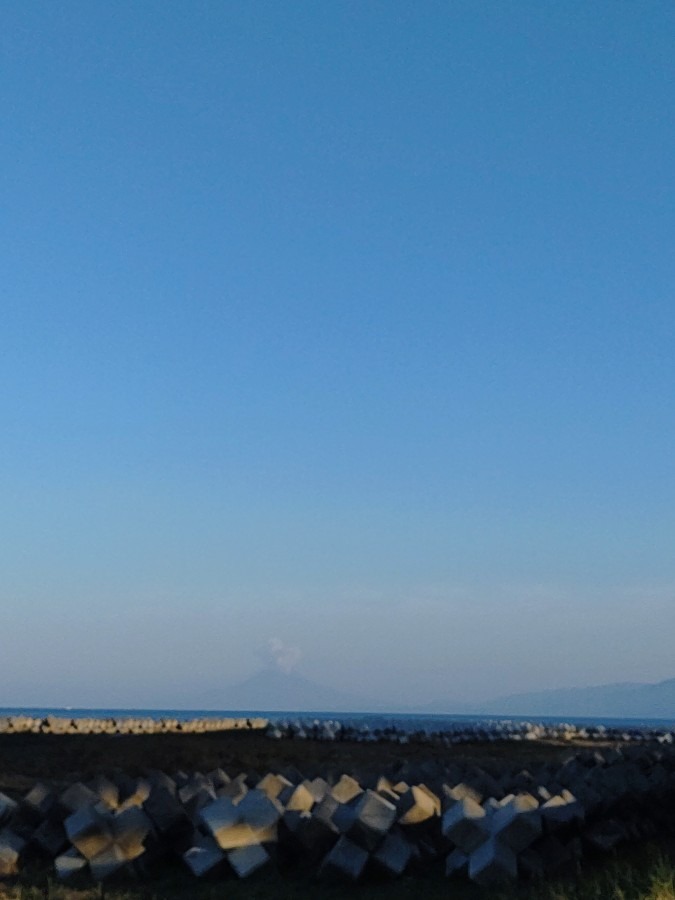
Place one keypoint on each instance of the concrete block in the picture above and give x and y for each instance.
(344, 816)
(456, 864)
(195, 795)
(180, 778)
(233, 827)
(466, 825)
(69, 864)
(391, 796)
(272, 785)
(159, 778)
(346, 789)
(314, 834)
(219, 778)
(251, 778)
(137, 793)
(301, 799)
(11, 848)
(75, 797)
(491, 805)
(295, 776)
(235, 790)
(50, 837)
(219, 818)
(460, 792)
(105, 790)
(107, 863)
(325, 809)
(561, 810)
(165, 811)
(394, 854)
(384, 786)
(484, 783)
(38, 803)
(247, 860)
(433, 796)
(346, 861)
(518, 822)
(374, 816)
(318, 788)
(130, 830)
(258, 811)
(417, 805)
(290, 824)
(89, 831)
(492, 863)
(7, 808)
(204, 858)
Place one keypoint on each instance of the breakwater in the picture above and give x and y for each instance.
(486, 823)
(27, 724)
(340, 729)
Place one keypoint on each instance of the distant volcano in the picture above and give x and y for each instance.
(273, 690)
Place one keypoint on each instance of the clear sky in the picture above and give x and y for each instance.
(348, 325)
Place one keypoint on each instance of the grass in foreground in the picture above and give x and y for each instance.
(646, 874)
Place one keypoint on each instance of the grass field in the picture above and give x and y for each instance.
(644, 874)
(27, 758)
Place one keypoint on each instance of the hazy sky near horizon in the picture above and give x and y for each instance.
(346, 325)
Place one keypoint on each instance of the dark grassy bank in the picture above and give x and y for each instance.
(27, 758)
(646, 873)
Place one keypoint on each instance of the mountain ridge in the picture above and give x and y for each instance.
(273, 690)
(652, 700)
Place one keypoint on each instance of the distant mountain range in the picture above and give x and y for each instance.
(272, 690)
(625, 701)
(275, 691)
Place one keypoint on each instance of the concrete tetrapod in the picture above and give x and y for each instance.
(417, 805)
(247, 860)
(518, 822)
(204, 857)
(108, 862)
(373, 817)
(89, 831)
(7, 808)
(466, 825)
(393, 854)
(11, 848)
(492, 862)
(346, 861)
(69, 864)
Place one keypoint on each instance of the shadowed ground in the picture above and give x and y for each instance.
(27, 758)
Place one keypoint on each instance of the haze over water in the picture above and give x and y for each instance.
(336, 337)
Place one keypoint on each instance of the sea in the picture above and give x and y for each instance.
(405, 722)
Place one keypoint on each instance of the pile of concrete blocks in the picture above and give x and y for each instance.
(445, 734)
(24, 724)
(489, 824)
(459, 732)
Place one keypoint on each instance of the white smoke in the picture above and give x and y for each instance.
(281, 655)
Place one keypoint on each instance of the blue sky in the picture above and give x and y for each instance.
(347, 324)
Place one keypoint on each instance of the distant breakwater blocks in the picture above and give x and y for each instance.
(126, 725)
(488, 824)
(307, 728)
(478, 731)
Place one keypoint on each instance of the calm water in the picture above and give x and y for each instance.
(404, 721)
